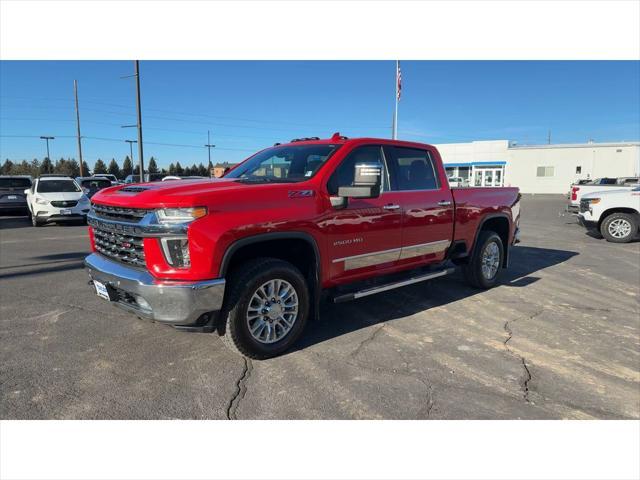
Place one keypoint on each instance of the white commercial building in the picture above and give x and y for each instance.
(538, 168)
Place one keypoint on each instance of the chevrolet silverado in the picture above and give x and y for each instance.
(251, 254)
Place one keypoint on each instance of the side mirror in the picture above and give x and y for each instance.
(367, 178)
(26, 192)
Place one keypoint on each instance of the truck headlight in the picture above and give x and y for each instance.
(593, 201)
(41, 201)
(180, 215)
(176, 252)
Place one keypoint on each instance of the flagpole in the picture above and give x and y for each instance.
(395, 115)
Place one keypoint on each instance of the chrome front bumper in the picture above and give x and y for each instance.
(176, 303)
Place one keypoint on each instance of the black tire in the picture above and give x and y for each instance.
(35, 222)
(243, 283)
(623, 219)
(473, 272)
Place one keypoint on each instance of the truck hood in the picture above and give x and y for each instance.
(176, 193)
(600, 193)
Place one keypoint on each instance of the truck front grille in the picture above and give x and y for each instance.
(64, 203)
(124, 248)
(133, 215)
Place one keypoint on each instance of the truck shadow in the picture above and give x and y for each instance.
(336, 320)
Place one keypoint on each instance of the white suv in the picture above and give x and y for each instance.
(613, 213)
(56, 199)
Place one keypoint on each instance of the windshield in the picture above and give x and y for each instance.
(292, 163)
(15, 183)
(56, 186)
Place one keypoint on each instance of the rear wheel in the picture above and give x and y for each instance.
(483, 268)
(266, 308)
(619, 227)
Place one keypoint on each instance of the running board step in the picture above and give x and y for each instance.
(390, 286)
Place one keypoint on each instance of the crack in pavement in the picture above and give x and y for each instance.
(366, 341)
(528, 377)
(241, 389)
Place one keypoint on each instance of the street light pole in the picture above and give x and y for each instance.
(75, 89)
(47, 140)
(209, 147)
(139, 108)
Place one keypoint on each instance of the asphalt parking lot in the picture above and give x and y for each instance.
(559, 338)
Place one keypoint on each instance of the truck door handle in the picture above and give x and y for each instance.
(444, 203)
(391, 206)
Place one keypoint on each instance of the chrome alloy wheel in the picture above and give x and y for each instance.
(272, 311)
(490, 260)
(619, 228)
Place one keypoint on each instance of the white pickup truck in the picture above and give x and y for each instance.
(578, 190)
(614, 213)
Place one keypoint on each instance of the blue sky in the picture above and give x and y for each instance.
(249, 105)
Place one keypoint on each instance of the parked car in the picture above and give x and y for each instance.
(112, 178)
(91, 185)
(148, 177)
(456, 182)
(12, 197)
(252, 253)
(171, 177)
(56, 199)
(577, 191)
(615, 214)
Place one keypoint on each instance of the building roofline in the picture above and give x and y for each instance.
(575, 145)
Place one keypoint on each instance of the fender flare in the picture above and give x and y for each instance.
(506, 246)
(315, 283)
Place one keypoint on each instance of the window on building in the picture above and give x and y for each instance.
(578, 170)
(545, 172)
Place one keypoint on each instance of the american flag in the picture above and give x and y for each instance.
(398, 80)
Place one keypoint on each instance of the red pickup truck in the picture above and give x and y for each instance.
(250, 255)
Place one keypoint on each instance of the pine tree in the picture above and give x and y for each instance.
(72, 168)
(6, 167)
(172, 169)
(179, 169)
(34, 168)
(86, 171)
(153, 168)
(114, 169)
(202, 171)
(127, 166)
(46, 166)
(99, 167)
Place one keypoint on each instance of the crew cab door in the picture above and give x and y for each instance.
(365, 236)
(427, 204)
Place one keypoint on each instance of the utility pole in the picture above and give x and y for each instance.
(549, 138)
(75, 89)
(139, 124)
(209, 147)
(138, 105)
(131, 142)
(47, 140)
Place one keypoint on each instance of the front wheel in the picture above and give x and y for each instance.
(35, 222)
(483, 268)
(619, 227)
(266, 308)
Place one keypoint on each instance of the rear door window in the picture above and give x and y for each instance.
(413, 169)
